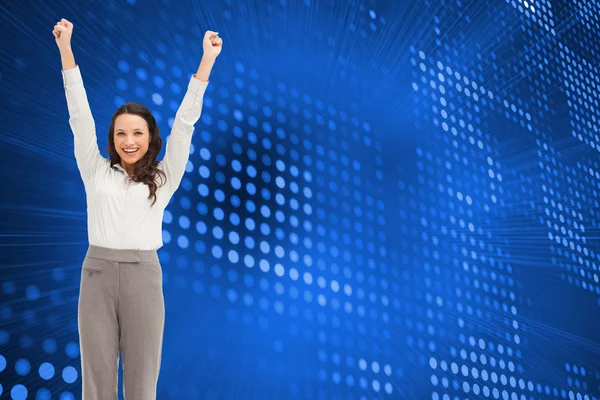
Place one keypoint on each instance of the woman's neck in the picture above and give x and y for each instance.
(128, 168)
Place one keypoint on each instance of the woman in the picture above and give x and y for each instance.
(121, 305)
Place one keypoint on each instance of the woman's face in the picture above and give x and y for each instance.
(131, 137)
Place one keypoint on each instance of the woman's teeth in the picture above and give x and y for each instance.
(130, 151)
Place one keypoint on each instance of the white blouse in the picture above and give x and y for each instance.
(120, 215)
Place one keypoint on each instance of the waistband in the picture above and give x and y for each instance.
(122, 255)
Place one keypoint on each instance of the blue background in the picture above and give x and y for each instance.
(384, 200)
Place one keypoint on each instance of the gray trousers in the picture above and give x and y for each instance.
(120, 311)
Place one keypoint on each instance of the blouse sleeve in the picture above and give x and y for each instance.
(81, 121)
(177, 150)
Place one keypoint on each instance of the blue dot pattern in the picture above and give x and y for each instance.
(471, 153)
(582, 87)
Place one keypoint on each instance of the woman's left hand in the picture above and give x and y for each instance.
(212, 44)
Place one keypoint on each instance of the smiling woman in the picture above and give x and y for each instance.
(134, 143)
(121, 305)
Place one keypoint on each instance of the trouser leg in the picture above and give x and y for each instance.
(142, 316)
(98, 329)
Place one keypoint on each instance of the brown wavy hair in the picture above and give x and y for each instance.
(146, 169)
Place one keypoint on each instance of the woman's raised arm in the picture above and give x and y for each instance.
(81, 121)
(177, 151)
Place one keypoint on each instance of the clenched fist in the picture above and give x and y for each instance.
(62, 33)
(212, 44)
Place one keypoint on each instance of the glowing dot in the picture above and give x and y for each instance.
(46, 371)
(69, 374)
(19, 392)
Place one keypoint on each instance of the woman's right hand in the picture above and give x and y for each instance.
(62, 34)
